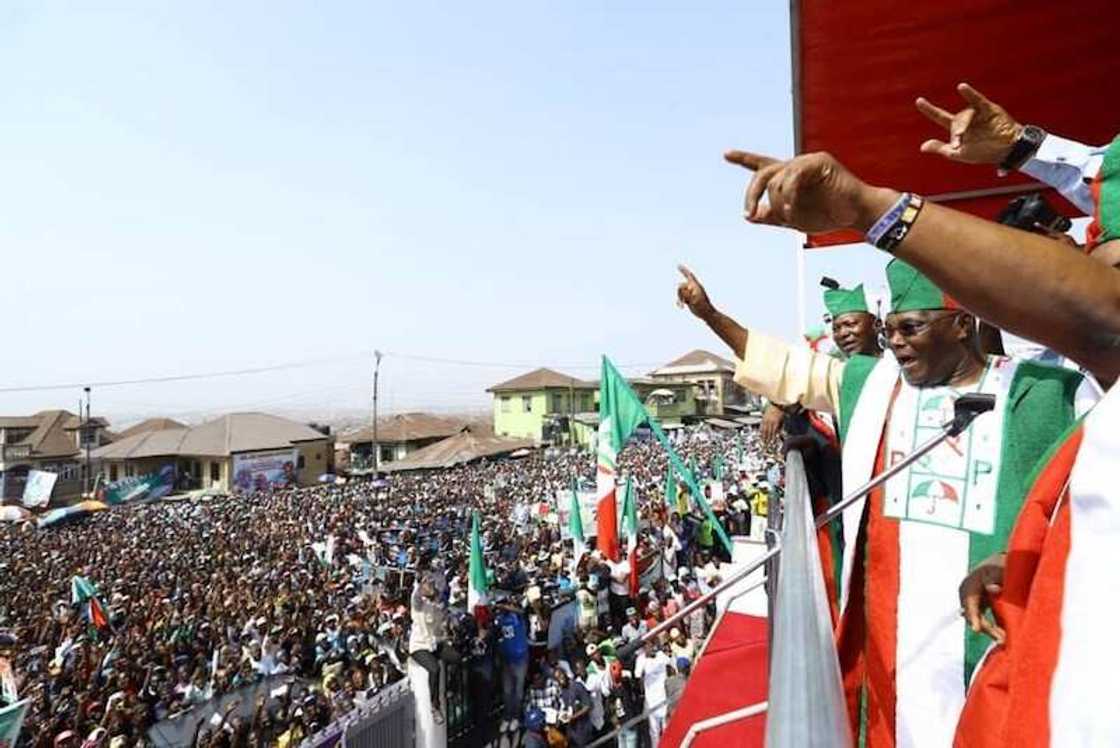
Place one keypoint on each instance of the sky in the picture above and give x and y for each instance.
(473, 189)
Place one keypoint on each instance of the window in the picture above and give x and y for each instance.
(113, 473)
(300, 463)
(527, 403)
(505, 403)
(557, 402)
(215, 472)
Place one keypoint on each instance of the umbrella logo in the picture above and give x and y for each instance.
(935, 490)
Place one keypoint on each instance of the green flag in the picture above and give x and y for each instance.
(575, 529)
(477, 583)
(620, 413)
(671, 489)
(11, 722)
(717, 467)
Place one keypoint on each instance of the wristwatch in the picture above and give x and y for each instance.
(1026, 145)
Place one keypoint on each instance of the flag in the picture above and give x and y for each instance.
(575, 529)
(717, 467)
(671, 489)
(620, 413)
(11, 722)
(630, 529)
(477, 583)
(806, 696)
(739, 448)
(81, 589)
(84, 592)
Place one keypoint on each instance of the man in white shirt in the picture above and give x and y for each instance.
(620, 587)
(652, 666)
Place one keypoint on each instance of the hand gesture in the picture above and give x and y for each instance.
(691, 294)
(981, 133)
(813, 193)
(773, 418)
(983, 583)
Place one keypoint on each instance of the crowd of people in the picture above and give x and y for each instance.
(332, 590)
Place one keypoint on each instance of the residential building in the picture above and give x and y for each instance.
(398, 436)
(465, 446)
(53, 441)
(539, 405)
(209, 454)
(712, 377)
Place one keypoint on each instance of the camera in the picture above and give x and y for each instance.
(1032, 212)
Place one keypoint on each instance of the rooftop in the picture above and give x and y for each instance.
(221, 437)
(540, 379)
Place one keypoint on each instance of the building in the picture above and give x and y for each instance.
(53, 441)
(540, 404)
(712, 377)
(554, 408)
(460, 449)
(397, 437)
(151, 424)
(220, 453)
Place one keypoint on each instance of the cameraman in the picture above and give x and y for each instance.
(427, 644)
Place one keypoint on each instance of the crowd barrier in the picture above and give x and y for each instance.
(179, 729)
(387, 721)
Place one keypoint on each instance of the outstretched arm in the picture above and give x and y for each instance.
(779, 372)
(1028, 284)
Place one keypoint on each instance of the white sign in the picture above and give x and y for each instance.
(37, 491)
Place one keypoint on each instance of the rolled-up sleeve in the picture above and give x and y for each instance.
(786, 374)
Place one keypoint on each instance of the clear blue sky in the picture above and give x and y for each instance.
(190, 187)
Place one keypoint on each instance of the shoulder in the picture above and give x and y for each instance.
(1034, 380)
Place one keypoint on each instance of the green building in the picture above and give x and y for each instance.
(540, 404)
(554, 408)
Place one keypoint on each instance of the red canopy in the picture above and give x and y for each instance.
(858, 65)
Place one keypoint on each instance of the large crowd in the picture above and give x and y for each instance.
(338, 587)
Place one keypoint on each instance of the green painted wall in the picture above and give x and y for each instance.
(512, 419)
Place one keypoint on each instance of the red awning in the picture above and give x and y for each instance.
(858, 65)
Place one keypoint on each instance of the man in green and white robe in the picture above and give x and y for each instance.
(906, 655)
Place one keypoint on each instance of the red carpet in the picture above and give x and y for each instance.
(730, 675)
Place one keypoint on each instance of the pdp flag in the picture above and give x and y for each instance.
(477, 585)
(11, 722)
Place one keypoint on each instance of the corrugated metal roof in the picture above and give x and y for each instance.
(236, 432)
(456, 450)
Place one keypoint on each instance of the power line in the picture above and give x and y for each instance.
(182, 377)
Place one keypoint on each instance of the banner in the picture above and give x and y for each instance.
(11, 721)
(144, 487)
(262, 471)
(588, 509)
(37, 491)
(713, 492)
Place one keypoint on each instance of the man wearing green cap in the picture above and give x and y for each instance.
(854, 328)
(906, 655)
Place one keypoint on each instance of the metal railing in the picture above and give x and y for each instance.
(722, 719)
(387, 721)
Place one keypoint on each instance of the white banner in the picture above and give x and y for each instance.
(37, 491)
(588, 512)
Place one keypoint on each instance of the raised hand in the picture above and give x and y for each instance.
(813, 193)
(691, 293)
(981, 133)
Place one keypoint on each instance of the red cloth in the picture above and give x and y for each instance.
(858, 66)
(730, 675)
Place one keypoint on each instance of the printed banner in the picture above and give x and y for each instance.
(139, 488)
(37, 491)
(588, 512)
(262, 471)
(713, 492)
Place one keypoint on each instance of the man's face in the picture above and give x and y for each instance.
(856, 332)
(929, 345)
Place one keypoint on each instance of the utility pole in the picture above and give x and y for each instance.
(85, 436)
(375, 445)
